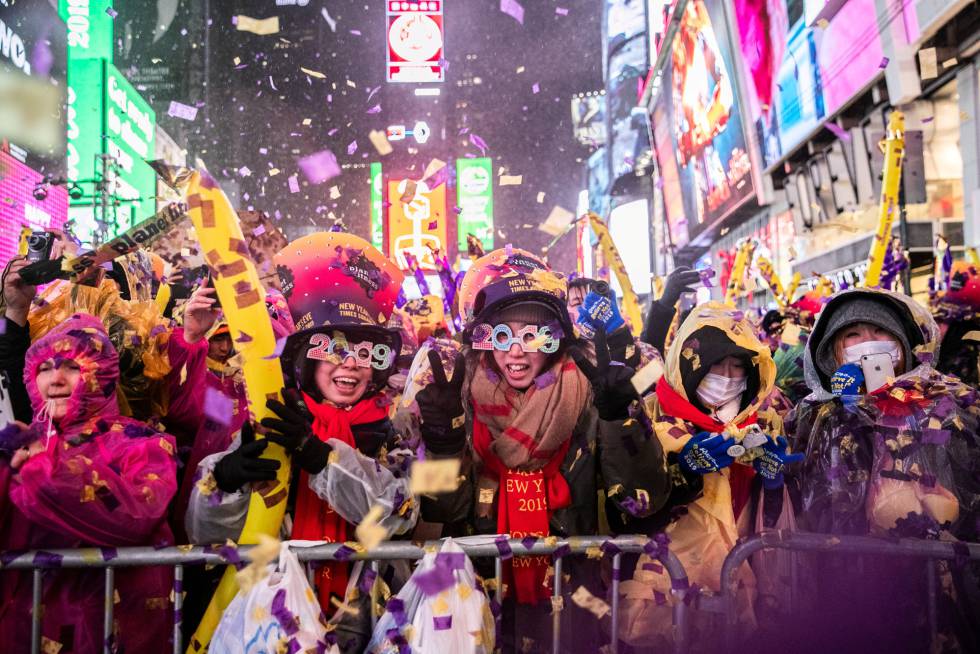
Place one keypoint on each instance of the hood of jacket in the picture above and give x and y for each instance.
(921, 331)
(82, 339)
(711, 332)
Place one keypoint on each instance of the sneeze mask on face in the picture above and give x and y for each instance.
(853, 353)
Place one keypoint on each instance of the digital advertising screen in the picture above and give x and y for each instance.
(698, 125)
(415, 41)
(474, 197)
(27, 202)
(416, 222)
(802, 72)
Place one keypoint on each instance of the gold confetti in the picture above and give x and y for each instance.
(262, 27)
(590, 602)
(434, 476)
(369, 533)
(313, 73)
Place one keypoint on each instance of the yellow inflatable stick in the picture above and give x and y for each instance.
(631, 305)
(243, 302)
(768, 274)
(894, 149)
(742, 259)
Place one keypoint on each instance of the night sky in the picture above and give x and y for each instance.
(252, 113)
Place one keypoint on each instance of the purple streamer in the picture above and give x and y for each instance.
(503, 546)
(367, 580)
(281, 612)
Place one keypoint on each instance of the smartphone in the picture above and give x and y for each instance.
(209, 283)
(878, 369)
(6, 407)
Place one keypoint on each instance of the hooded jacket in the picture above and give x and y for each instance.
(901, 462)
(103, 480)
(706, 511)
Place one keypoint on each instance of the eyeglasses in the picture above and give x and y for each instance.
(366, 354)
(531, 338)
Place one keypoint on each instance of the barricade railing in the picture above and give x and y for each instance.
(796, 541)
(40, 561)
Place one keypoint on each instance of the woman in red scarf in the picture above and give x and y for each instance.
(334, 422)
(548, 437)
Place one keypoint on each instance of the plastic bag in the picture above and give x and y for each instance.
(440, 609)
(280, 613)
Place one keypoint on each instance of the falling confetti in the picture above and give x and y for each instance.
(319, 167)
(352, 148)
(263, 27)
(330, 21)
(313, 73)
(179, 110)
(513, 9)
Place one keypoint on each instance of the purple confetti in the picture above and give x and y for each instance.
(529, 541)
(343, 553)
(503, 546)
(47, 560)
(561, 11)
(108, 553)
(319, 167)
(367, 580)
(218, 406)
(287, 620)
(513, 9)
(376, 109)
(352, 148)
(535, 88)
(112, 13)
(659, 597)
(562, 550)
(884, 63)
(293, 182)
(838, 131)
(610, 548)
(478, 142)
(183, 111)
(442, 622)
(436, 580)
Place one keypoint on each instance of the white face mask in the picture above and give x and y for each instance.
(853, 353)
(717, 390)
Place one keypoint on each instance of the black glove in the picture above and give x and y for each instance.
(441, 408)
(294, 431)
(245, 464)
(679, 281)
(612, 385)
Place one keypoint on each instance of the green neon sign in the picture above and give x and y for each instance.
(89, 28)
(107, 116)
(474, 197)
(377, 206)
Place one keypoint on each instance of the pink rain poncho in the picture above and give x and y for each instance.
(104, 480)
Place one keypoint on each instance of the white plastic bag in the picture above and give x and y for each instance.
(280, 610)
(454, 619)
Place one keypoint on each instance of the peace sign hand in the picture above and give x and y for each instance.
(441, 407)
(612, 385)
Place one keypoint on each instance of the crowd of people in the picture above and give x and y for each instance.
(852, 412)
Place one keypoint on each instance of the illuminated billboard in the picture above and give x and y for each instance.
(416, 222)
(474, 197)
(802, 72)
(22, 208)
(704, 141)
(415, 41)
(106, 116)
(377, 206)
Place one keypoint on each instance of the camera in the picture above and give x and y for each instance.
(39, 246)
(41, 192)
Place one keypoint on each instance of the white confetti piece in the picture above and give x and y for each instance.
(179, 110)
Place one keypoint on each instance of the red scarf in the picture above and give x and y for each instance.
(315, 519)
(740, 476)
(525, 503)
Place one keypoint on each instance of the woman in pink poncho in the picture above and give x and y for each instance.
(82, 475)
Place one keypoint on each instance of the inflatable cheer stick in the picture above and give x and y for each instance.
(769, 276)
(894, 149)
(631, 305)
(739, 266)
(243, 301)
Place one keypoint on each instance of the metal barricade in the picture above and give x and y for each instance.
(797, 541)
(110, 559)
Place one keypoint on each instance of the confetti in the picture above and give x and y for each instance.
(838, 131)
(380, 142)
(540, 197)
(218, 406)
(293, 182)
(647, 376)
(823, 23)
(884, 63)
(561, 11)
(262, 27)
(112, 13)
(319, 167)
(586, 600)
(330, 21)
(179, 110)
(513, 9)
(369, 532)
(535, 88)
(352, 147)
(313, 73)
(376, 109)
(479, 142)
(434, 476)
(557, 221)
(510, 180)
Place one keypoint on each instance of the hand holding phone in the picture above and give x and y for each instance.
(878, 369)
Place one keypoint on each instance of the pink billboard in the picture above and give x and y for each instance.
(22, 205)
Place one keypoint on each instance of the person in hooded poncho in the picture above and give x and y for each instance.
(547, 427)
(900, 461)
(724, 452)
(82, 475)
(333, 422)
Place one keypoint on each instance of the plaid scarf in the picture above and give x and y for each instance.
(522, 439)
